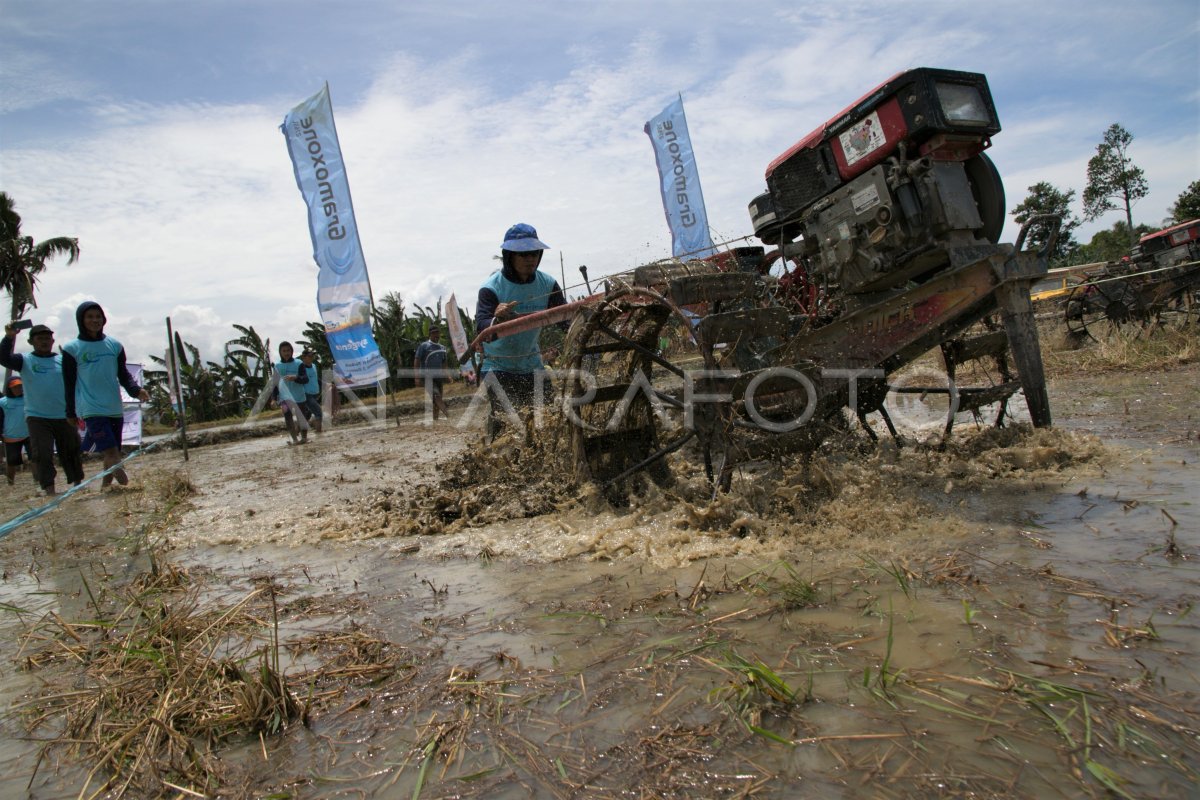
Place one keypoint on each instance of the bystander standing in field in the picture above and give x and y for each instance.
(45, 406)
(428, 363)
(94, 373)
(15, 431)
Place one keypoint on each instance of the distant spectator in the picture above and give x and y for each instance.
(15, 431)
(428, 363)
(45, 406)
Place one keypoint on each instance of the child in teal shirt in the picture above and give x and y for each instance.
(15, 431)
(290, 383)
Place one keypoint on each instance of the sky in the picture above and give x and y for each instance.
(149, 129)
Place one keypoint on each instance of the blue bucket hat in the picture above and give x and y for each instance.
(522, 238)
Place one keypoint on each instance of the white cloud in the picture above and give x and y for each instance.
(31, 79)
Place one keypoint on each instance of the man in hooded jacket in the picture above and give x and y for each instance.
(94, 372)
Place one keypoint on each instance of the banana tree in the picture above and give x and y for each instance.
(314, 338)
(201, 383)
(249, 359)
(388, 321)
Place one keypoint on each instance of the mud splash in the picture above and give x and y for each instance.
(440, 491)
(848, 497)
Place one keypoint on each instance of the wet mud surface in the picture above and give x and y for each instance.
(1010, 617)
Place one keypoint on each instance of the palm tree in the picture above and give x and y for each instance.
(155, 382)
(231, 399)
(22, 259)
(240, 380)
(248, 362)
(314, 338)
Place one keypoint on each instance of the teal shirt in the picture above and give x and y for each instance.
(97, 390)
(42, 378)
(519, 352)
(289, 390)
(313, 387)
(15, 428)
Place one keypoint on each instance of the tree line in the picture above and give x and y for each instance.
(229, 388)
(1114, 183)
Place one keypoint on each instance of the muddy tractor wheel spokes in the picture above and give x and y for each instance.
(982, 356)
(625, 396)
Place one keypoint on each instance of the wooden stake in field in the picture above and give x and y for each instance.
(174, 381)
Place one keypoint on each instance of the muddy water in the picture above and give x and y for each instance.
(938, 644)
(48, 567)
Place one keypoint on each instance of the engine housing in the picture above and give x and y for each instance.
(884, 191)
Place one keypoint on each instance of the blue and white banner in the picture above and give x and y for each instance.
(343, 289)
(679, 181)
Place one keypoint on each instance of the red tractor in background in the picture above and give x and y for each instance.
(1156, 285)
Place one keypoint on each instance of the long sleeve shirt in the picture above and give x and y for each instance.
(94, 372)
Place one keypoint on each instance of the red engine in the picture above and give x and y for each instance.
(1181, 235)
(890, 188)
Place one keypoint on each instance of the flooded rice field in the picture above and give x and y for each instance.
(392, 611)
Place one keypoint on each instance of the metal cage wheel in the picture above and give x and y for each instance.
(624, 397)
(1100, 308)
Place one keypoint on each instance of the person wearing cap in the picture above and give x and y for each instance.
(94, 373)
(12, 424)
(431, 356)
(289, 393)
(312, 388)
(513, 362)
(45, 406)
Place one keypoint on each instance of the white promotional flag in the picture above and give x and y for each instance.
(458, 336)
(131, 430)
